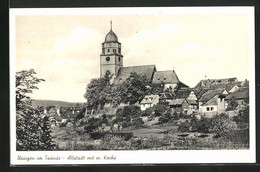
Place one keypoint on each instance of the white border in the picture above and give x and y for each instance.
(140, 156)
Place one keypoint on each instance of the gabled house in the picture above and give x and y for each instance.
(166, 97)
(169, 79)
(212, 102)
(210, 83)
(149, 101)
(190, 99)
(178, 103)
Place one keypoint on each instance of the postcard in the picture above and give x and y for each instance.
(146, 85)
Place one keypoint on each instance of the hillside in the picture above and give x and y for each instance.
(55, 103)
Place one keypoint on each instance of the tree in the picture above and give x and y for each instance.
(25, 83)
(243, 116)
(98, 92)
(160, 108)
(221, 124)
(32, 128)
(133, 89)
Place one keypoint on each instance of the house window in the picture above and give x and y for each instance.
(108, 50)
(212, 108)
(207, 108)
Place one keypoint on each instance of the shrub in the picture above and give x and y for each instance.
(222, 124)
(175, 116)
(184, 127)
(137, 122)
(147, 112)
(160, 108)
(243, 116)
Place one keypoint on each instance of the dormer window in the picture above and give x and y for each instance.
(158, 78)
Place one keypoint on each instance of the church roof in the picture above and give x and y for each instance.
(125, 72)
(111, 37)
(166, 77)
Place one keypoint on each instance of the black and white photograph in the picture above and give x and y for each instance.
(132, 85)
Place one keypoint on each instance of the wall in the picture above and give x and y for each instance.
(170, 85)
(221, 105)
(192, 96)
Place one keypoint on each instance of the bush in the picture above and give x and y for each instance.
(137, 122)
(159, 109)
(147, 112)
(243, 116)
(184, 127)
(219, 125)
(222, 124)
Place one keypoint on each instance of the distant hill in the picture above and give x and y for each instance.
(55, 103)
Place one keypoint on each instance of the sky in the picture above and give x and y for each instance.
(65, 49)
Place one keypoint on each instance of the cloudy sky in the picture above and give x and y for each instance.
(65, 49)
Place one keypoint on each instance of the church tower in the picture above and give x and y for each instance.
(111, 59)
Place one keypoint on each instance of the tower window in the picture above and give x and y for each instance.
(103, 50)
(119, 59)
(115, 50)
(107, 50)
(107, 58)
(119, 50)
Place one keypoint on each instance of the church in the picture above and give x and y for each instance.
(111, 60)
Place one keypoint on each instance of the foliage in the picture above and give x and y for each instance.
(232, 104)
(160, 108)
(147, 112)
(32, 128)
(80, 115)
(184, 127)
(166, 117)
(221, 124)
(25, 83)
(133, 89)
(98, 92)
(125, 115)
(137, 122)
(243, 116)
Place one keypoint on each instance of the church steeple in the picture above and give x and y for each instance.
(111, 59)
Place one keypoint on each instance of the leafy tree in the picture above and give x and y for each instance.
(98, 92)
(243, 116)
(32, 128)
(25, 83)
(160, 108)
(133, 89)
(221, 124)
(80, 115)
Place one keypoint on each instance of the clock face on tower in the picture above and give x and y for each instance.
(107, 58)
